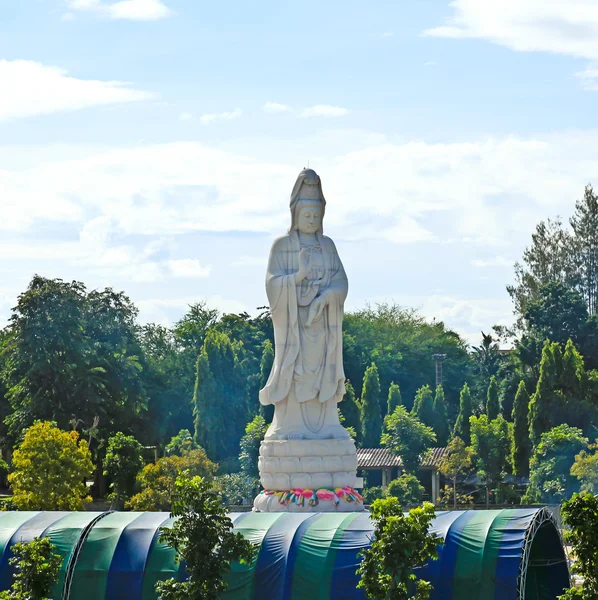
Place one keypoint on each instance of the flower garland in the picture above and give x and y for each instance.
(301, 497)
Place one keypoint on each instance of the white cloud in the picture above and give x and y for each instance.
(497, 261)
(276, 108)
(188, 267)
(224, 116)
(31, 88)
(388, 34)
(430, 63)
(186, 116)
(132, 10)
(325, 110)
(589, 77)
(561, 27)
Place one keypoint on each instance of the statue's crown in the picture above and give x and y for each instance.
(310, 189)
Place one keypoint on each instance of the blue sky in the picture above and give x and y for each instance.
(151, 145)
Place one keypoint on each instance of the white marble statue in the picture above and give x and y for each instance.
(307, 459)
(307, 287)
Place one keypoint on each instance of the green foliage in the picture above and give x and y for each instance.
(220, 399)
(423, 406)
(250, 446)
(407, 489)
(491, 445)
(407, 437)
(401, 343)
(456, 462)
(36, 570)
(585, 468)
(49, 469)
(400, 544)
(394, 398)
(564, 393)
(462, 427)
(580, 514)
(492, 402)
(122, 463)
(181, 444)
(158, 481)
(351, 410)
(550, 466)
(72, 354)
(371, 417)
(266, 363)
(202, 535)
(236, 488)
(441, 424)
(521, 449)
(373, 493)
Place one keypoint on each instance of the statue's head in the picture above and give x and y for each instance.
(307, 203)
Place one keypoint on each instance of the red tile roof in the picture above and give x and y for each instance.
(380, 458)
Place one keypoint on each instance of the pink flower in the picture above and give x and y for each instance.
(340, 492)
(325, 494)
(297, 492)
(307, 493)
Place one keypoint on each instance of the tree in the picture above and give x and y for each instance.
(180, 444)
(158, 481)
(72, 354)
(401, 543)
(220, 399)
(423, 406)
(351, 409)
(491, 445)
(462, 427)
(407, 437)
(584, 224)
(203, 537)
(50, 467)
(394, 398)
(441, 424)
(122, 463)
(266, 363)
(486, 360)
(371, 417)
(236, 489)
(250, 446)
(550, 466)
(457, 461)
(492, 403)
(36, 570)
(407, 489)
(585, 468)
(580, 514)
(521, 444)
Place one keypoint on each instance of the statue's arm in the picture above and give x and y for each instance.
(339, 285)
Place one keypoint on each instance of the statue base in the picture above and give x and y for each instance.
(306, 500)
(308, 476)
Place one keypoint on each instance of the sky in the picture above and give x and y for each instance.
(152, 145)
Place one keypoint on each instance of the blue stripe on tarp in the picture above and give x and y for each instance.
(432, 570)
(30, 529)
(273, 559)
(510, 554)
(292, 554)
(125, 577)
(356, 537)
(444, 588)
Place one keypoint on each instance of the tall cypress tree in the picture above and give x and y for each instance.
(371, 417)
(521, 444)
(423, 406)
(441, 426)
(542, 401)
(462, 426)
(350, 409)
(492, 403)
(394, 398)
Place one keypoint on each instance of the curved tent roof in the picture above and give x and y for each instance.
(500, 554)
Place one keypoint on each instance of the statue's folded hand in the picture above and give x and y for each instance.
(315, 309)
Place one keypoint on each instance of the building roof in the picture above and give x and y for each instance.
(380, 458)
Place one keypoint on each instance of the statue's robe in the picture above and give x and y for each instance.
(289, 309)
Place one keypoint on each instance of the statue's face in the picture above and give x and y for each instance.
(310, 218)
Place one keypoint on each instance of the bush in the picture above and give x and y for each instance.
(406, 489)
(371, 494)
